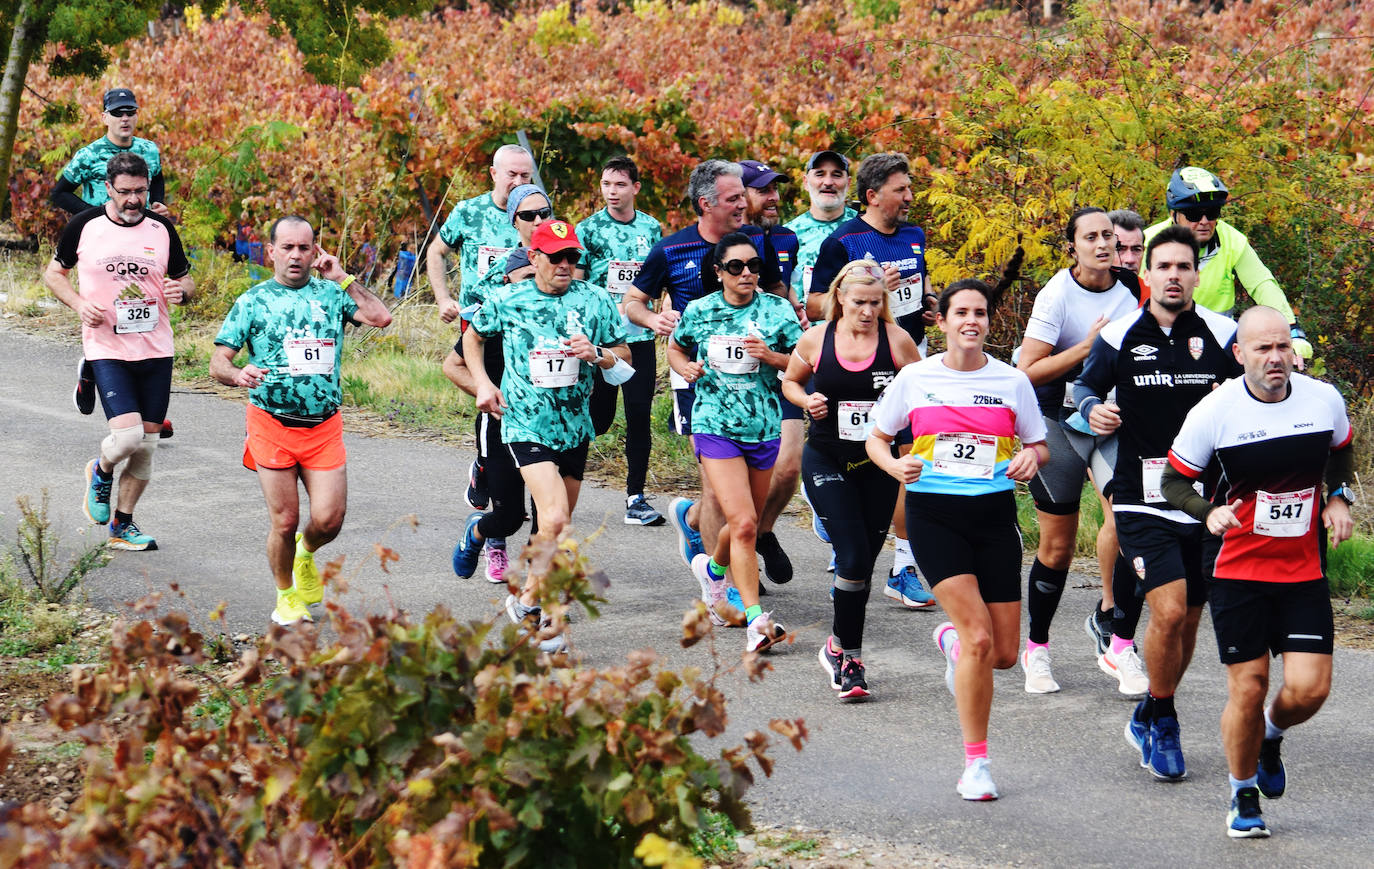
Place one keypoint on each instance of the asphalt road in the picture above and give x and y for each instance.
(1072, 790)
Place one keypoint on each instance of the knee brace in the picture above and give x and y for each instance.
(848, 584)
(141, 462)
(120, 444)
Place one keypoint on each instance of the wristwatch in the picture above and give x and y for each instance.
(598, 353)
(1345, 493)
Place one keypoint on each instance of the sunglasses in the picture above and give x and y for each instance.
(736, 267)
(529, 216)
(571, 257)
(123, 113)
(1197, 212)
(871, 270)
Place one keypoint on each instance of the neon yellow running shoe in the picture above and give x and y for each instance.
(309, 588)
(289, 609)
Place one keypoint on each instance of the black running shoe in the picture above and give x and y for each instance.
(853, 686)
(1273, 780)
(1099, 628)
(166, 430)
(84, 394)
(831, 662)
(776, 565)
(477, 496)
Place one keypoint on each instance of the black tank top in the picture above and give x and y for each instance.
(849, 397)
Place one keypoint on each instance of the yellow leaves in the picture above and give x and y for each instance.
(654, 850)
(420, 788)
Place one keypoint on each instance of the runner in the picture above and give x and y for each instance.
(1195, 198)
(86, 172)
(618, 239)
(730, 345)
(1130, 238)
(1274, 435)
(966, 410)
(528, 208)
(550, 325)
(1068, 313)
(1161, 360)
(131, 268)
(292, 326)
(836, 373)
(882, 233)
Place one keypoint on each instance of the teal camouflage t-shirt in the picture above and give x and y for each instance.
(737, 395)
(615, 252)
(546, 388)
(482, 234)
(810, 233)
(86, 169)
(296, 337)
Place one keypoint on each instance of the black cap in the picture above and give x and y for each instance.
(120, 98)
(821, 156)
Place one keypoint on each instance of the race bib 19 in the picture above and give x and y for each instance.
(1284, 514)
(727, 355)
(488, 257)
(853, 422)
(961, 454)
(906, 299)
(135, 315)
(309, 356)
(553, 368)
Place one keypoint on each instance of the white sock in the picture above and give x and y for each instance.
(1271, 730)
(903, 558)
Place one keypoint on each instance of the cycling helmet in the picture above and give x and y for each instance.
(1193, 185)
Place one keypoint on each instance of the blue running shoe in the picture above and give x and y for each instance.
(688, 539)
(126, 536)
(1166, 750)
(97, 502)
(906, 588)
(1137, 732)
(1272, 778)
(816, 527)
(1244, 821)
(469, 549)
(732, 597)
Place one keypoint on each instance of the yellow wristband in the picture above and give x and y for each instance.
(346, 282)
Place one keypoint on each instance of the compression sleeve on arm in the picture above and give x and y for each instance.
(1260, 283)
(64, 197)
(157, 189)
(1179, 492)
(1340, 467)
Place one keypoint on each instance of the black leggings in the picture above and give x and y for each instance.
(854, 501)
(504, 482)
(639, 403)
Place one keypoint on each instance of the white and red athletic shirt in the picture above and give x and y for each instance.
(110, 257)
(1272, 456)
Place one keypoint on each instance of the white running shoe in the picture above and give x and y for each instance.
(714, 592)
(976, 783)
(1039, 677)
(945, 636)
(762, 633)
(1127, 669)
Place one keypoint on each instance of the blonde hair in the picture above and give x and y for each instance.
(858, 273)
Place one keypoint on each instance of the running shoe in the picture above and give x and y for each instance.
(1166, 750)
(520, 613)
(84, 394)
(290, 610)
(497, 562)
(166, 431)
(125, 535)
(976, 783)
(468, 548)
(1039, 676)
(776, 565)
(1244, 821)
(907, 589)
(763, 633)
(1138, 732)
(853, 686)
(97, 501)
(688, 538)
(556, 645)
(638, 512)
(714, 592)
(1127, 669)
(1098, 632)
(309, 588)
(1273, 780)
(477, 496)
(830, 660)
(945, 637)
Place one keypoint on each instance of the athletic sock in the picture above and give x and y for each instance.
(1120, 644)
(975, 751)
(1272, 730)
(1147, 712)
(1046, 587)
(1237, 784)
(903, 557)
(301, 551)
(717, 571)
(1032, 646)
(122, 518)
(1163, 707)
(753, 612)
(102, 473)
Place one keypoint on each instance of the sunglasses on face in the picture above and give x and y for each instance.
(1197, 212)
(736, 267)
(571, 257)
(123, 113)
(529, 216)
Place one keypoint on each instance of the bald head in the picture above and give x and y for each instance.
(511, 166)
(1264, 347)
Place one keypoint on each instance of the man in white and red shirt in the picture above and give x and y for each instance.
(130, 267)
(1272, 436)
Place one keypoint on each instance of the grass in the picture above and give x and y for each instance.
(1089, 521)
(1350, 567)
(715, 839)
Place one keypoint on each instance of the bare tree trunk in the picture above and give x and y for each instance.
(11, 89)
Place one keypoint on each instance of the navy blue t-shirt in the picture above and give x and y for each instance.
(905, 248)
(677, 262)
(779, 245)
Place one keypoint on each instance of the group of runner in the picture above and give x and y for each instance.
(1132, 380)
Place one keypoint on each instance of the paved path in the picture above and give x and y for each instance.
(1072, 791)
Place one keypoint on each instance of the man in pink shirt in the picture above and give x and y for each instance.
(130, 267)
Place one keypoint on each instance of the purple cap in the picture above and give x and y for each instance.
(822, 156)
(758, 174)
